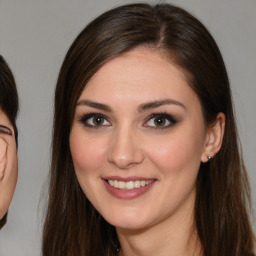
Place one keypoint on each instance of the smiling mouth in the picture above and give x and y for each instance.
(129, 185)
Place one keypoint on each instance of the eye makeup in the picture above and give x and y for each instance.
(5, 130)
(160, 121)
(156, 121)
(94, 120)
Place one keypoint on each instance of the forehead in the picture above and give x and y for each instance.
(142, 74)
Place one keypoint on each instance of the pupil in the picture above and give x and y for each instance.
(159, 121)
(97, 120)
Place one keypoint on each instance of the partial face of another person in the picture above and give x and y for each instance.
(8, 163)
(138, 139)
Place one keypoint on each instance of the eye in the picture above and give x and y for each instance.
(5, 130)
(94, 120)
(160, 121)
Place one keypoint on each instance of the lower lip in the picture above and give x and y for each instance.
(127, 194)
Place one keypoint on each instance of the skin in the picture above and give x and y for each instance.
(8, 163)
(128, 144)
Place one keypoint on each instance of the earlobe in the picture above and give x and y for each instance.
(214, 137)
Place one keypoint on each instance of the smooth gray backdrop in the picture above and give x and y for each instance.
(34, 37)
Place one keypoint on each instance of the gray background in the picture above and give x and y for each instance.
(34, 37)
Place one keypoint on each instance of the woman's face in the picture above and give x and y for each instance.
(137, 140)
(8, 163)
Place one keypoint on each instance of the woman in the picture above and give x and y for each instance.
(145, 153)
(8, 138)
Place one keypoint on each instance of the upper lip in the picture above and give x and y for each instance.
(125, 179)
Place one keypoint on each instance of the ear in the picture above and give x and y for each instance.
(214, 137)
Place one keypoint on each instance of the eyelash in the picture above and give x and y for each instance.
(167, 117)
(172, 121)
(5, 130)
(84, 120)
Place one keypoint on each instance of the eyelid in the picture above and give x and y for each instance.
(5, 130)
(85, 117)
(167, 116)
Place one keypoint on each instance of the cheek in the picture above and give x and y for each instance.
(3, 158)
(181, 153)
(8, 180)
(87, 153)
(3, 147)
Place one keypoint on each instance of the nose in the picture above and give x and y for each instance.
(125, 150)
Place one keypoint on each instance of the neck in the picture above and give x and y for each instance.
(175, 236)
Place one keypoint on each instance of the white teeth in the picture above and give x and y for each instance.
(121, 185)
(129, 184)
(137, 184)
(115, 183)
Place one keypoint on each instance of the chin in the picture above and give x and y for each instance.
(129, 225)
(131, 220)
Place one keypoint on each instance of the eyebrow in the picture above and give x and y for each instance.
(94, 104)
(5, 130)
(159, 103)
(143, 107)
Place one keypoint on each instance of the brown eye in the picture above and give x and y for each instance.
(94, 120)
(98, 121)
(160, 121)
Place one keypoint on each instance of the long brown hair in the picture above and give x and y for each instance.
(72, 226)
